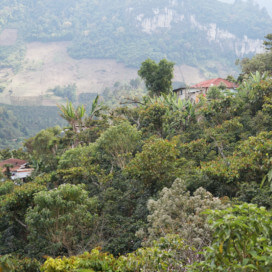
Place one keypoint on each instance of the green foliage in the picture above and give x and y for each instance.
(253, 193)
(166, 254)
(178, 212)
(249, 163)
(214, 93)
(15, 201)
(129, 160)
(88, 262)
(157, 77)
(259, 62)
(223, 138)
(43, 148)
(152, 117)
(80, 165)
(118, 144)
(6, 187)
(241, 240)
(197, 151)
(76, 157)
(156, 166)
(71, 115)
(68, 92)
(268, 42)
(61, 220)
(11, 263)
(258, 88)
(166, 115)
(20, 122)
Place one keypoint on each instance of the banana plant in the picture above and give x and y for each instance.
(267, 178)
(254, 79)
(174, 104)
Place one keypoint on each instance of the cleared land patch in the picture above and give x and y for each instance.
(47, 65)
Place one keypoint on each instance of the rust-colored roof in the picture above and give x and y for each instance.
(17, 163)
(215, 82)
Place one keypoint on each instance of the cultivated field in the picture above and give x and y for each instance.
(47, 65)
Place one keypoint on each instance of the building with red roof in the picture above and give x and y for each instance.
(193, 91)
(214, 82)
(18, 168)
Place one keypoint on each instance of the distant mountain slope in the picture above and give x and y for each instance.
(267, 4)
(191, 32)
(20, 122)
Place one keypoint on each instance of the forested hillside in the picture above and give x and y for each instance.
(267, 4)
(158, 184)
(136, 179)
(130, 31)
(20, 122)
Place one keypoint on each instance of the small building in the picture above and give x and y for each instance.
(180, 89)
(18, 169)
(205, 85)
(193, 91)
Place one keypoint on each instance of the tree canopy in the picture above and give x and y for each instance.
(157, 77)
(162, 184)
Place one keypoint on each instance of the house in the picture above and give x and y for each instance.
(179, 88)
(18, 169)
(193, 91)
(205, 85)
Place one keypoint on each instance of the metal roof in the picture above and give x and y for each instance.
(215, 82)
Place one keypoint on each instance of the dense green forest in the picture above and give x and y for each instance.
(20, 122)
(159, 184)
(120, 30)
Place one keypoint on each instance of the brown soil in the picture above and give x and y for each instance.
(47, 65)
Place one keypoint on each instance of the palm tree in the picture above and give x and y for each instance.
(71, 115)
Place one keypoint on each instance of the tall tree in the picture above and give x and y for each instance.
(71, 115)
(157, 77)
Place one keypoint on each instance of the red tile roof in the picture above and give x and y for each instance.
(15, 162)
(215, 82)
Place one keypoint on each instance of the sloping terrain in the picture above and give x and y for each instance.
(47, 65)
(130, 31)
(96, 43)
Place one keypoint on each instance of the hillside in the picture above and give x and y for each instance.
(20, 122)
(47, 65)
(131, 31)
(165, 185)
(267, 4)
